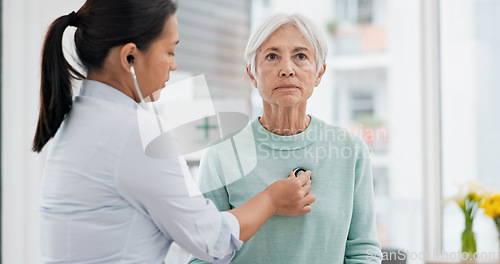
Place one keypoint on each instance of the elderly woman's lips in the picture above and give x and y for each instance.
(287, 87)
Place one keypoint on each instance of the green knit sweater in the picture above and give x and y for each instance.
(341, 227)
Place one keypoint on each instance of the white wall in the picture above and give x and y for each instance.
(24, 25)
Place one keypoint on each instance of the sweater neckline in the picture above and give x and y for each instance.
(293, 142)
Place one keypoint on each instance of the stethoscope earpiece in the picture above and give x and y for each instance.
(130, 59)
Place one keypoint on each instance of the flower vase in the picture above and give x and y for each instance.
(468, 239)
(497, 222)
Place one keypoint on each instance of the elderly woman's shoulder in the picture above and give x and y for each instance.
(347, 135)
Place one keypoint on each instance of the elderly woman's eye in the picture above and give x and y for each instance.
(271, 56)
(301, 56)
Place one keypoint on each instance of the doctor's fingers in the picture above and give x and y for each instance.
(309, 199)
(306, 209)
(306, 187)
(304, 177)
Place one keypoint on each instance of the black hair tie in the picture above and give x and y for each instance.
(73, 22)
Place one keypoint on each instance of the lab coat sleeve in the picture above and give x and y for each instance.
(212, 184)
(362, 244)
(159, 189)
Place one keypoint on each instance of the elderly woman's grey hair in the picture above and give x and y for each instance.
(273, 23)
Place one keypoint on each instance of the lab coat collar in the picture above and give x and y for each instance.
(103, 91)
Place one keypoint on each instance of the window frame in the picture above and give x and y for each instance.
(431, 107)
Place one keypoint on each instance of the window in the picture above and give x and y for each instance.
(470, 57)
(365, 11)
(358, 11)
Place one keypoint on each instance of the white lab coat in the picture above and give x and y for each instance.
(103, 200)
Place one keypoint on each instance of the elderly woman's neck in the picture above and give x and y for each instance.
(285, 121)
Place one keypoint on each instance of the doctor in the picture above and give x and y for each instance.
(103, 200)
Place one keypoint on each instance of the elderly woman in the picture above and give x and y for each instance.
(285, 61)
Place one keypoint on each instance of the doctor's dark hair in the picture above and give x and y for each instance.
(101, 25)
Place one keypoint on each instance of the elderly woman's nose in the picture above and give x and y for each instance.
(289, 72)
(286, 68)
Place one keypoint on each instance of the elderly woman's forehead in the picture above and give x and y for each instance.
(286, 27)
(296, 36)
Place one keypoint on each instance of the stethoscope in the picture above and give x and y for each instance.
(130, 60)
(297, 171)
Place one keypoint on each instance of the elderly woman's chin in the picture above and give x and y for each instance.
(287, 99)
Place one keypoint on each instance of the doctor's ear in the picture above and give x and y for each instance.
(127, 55)
(252, 78)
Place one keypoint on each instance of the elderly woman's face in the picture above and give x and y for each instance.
(285, 68)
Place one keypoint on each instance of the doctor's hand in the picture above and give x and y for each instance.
(291, 196)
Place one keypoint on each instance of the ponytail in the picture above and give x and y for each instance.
(55, 87)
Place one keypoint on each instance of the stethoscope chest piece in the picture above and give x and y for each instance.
(297, 171)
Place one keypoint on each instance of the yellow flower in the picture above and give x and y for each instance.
(469, 191)
(492, 206)
(476, 192)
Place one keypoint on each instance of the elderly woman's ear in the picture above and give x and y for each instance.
(252, 78)
(320, 74)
